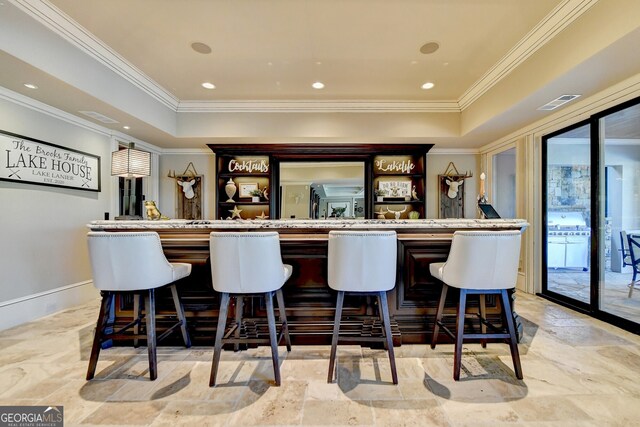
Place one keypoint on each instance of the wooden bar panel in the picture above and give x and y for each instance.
(309, 301)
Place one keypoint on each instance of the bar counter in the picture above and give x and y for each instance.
(309, 301)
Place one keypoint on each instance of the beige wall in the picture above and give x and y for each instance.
(204, 164)
(43, 245)
(437, 165)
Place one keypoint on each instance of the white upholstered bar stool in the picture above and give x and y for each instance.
(133, 262)
(362, 262)
(480, 262)
(243, 264)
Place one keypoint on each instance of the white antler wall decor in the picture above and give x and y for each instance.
(189, 205)
(452, 192)
(187, 188)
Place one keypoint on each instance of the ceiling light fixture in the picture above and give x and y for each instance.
(317, 85)
(561, 100)
(428, 85)
(126, 127)
(429, 48)
(201, 47)
(30, 86)
(208, 85)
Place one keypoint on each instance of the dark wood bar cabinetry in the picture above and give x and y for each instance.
(309, 301)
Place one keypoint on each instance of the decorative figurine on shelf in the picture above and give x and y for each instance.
(414, 215)
(153, 213)
(379, 193)
(414, 193)
(265, 193)
(235, 212)
(262, 216)
(255, 195)
(397, 213)
(381, 213)
(230, 188)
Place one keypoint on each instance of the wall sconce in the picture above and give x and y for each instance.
(130, 164)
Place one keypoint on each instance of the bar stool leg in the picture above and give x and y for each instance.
(439, 314)
(515, 354)
(97, 337)
(336, 334)
(150, 315)
(137, 312)
(273, 336)
(457, 355)
(239, 312)
(387, 333)
(217, 348)
(483, 316)
(283, 318)
(181, 316)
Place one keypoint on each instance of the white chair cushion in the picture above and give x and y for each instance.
(482, 260)
(362, 261)
(435, 269)
(247, 262)
(288, 271)
(131, 261)
(180, 270)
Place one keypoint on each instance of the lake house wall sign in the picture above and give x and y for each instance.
(37, 162)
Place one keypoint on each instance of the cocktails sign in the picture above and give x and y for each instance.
(249, 165)
(37, 162)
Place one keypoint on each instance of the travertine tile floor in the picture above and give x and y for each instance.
(578, 372)
(614, 291)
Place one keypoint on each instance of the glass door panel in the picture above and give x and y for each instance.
(504, 183)
(568, 215)
(620, 212)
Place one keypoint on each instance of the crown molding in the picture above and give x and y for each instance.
(40, 107)
(315, 106)
(581, 110)
(454, 151)
(64, 26)
(193, 151)
(559, 18)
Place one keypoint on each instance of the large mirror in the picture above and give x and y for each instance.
(316, 190)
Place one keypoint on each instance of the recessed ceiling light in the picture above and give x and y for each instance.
(30, 86)
(208, 85)
(429, 48)
(428, 85)
(317, 85)
(201, 47)
(126, 127)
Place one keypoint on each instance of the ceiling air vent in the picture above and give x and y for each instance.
(99, 117)
(561, 100)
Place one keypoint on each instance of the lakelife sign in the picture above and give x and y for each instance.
(30, 160)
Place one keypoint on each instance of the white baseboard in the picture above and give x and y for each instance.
(31, 307)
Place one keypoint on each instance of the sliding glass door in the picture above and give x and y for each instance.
(568, 215)
(619, 225)
(591, 216)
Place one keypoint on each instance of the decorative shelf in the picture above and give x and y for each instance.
(248, 202)
(243, 175)
(398, 202)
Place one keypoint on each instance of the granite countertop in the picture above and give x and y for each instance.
(317, 224)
